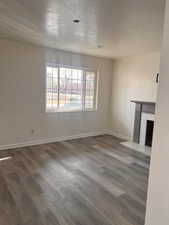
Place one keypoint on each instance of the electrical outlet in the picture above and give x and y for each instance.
(157, 78)
(33, 131)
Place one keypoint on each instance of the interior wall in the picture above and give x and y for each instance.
(22, 94)
(158, 191)
(134, 78)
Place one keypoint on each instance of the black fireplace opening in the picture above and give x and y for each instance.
(149, 133)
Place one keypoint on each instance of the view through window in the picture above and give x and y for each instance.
(70, 89)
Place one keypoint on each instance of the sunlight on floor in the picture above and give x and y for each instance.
(5, 158)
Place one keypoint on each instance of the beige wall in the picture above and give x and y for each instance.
(22, 94)
(133, 79)
(158, 191)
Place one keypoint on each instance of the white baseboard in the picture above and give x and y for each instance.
(113, 133)
(50, 140)
(64, 138)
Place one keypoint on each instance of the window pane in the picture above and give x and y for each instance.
(52, 88)
(90, 76)
(89, 100)
(62, 99)
(55, 72)
(90, 84)
(49, 71)
(49, 83)
(90, 90)
(70, 89)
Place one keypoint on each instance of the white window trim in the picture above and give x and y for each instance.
(86, 69)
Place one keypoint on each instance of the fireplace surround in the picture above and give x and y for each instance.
(143, 127)
(143, 111)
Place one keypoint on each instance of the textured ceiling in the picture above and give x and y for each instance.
(123, 27)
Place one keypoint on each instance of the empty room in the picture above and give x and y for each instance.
(84, 126)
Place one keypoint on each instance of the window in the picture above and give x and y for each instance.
(70, 89)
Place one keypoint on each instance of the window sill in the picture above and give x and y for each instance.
(71, 111)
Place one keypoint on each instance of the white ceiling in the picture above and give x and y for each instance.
(123, 27)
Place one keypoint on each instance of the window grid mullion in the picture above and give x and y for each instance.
(52, 89)
(58, 105)
(95, 90)
(84, 90)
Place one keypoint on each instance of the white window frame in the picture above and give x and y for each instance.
(85, 70)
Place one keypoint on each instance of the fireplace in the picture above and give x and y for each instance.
(146, 129)
(143, 128)
(149, 133)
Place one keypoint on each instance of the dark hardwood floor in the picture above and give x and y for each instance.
(90, 181)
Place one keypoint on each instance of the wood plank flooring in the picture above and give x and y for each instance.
(89, 181)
